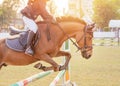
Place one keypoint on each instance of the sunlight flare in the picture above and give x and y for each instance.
(1, 1)
(61, 7)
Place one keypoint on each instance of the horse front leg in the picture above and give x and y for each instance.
(1, 66)
(48, 59)
(67, 59)
(44, 68)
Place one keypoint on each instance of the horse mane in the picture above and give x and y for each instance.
(66, 19)
(69, 18)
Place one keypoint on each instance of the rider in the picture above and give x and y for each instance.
(33, 9)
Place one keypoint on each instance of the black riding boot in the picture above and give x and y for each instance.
(29, 40)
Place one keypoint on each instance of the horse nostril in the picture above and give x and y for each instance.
(85, 55)
(88, 56)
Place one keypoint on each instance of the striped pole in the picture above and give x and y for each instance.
(31, 79)
(67, 76)
(56, 79)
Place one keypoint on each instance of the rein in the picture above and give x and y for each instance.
(74, 43)
(63, 32)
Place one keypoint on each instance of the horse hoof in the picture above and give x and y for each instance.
(38, 66)
(62, 68)
(44, 68)
(57, 68)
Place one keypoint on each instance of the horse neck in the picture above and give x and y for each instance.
(70, 30)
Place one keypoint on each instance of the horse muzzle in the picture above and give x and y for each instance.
(86, 56)
(86, 53)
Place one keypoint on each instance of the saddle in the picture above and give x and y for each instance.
(18, 41)
(14, 31)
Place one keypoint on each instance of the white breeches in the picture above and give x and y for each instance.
(30, 24)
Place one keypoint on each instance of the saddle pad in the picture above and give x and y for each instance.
(14, 44)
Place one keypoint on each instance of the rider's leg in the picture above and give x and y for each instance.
(32, 26)
(29, 40)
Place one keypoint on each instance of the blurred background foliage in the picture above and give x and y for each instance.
(8, 11)
(104, 11)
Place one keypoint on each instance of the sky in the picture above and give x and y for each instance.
(61, 5)
(1, 1)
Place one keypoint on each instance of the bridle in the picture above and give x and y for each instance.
(84, 48)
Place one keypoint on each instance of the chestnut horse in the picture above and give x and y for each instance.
(45, 50)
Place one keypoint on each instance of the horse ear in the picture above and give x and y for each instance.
(91, 26)
(93, 29)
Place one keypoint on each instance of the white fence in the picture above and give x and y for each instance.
(106, 34)
(4, 35)
(99, 35)
(96, 35)
(106, 38)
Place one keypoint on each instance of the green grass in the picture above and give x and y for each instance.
(102, 69)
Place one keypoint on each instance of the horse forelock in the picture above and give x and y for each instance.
(70, 18)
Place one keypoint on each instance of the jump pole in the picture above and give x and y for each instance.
(57, 78)
(32, 78)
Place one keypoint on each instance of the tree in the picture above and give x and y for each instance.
(8, 11)
(104, 11)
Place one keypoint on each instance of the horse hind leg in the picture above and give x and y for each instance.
(2, 64)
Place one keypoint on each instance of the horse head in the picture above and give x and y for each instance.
(82, 33)
(85, 41)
